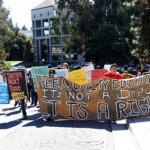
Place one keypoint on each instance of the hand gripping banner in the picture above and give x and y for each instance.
(103, 99)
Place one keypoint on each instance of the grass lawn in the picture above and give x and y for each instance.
(12, 62)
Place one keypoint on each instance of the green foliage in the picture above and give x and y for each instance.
(13, 44)
(24, 28)
(4, 66)
(99, 28)
(29, 51)
(106, 46)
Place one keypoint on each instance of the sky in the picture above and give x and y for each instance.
(20, 11)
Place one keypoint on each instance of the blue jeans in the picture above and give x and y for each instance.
(34, 98)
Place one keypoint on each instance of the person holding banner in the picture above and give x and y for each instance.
(65, 66)
(113, 73)
(52, 73)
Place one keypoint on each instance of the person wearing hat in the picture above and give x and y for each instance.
(113, 73)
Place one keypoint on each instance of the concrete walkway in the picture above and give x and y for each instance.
(132, 133)
(140, 131)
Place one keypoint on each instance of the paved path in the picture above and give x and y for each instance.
(37, 134)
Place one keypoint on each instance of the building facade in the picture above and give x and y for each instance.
(49, 33)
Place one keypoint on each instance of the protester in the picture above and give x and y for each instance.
(113, 72)
(126, 74)
(34, 96)
(17, 103)
(114, 75)
(52, 73)
(23, 108)
(29, 84)
(65, 66)
(139, 71)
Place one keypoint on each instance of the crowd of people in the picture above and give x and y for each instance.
(33, 96)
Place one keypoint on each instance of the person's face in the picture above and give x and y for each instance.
(113, 69)
(64, 67)
(51, 74)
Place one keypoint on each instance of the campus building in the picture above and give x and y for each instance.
(49, 33)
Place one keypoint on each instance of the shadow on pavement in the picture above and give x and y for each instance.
(10, 124)
(13, 113)
(39, 122)
(136, 120)
(11, 108)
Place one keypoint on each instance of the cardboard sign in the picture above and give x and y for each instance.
(38, 71)
(104, 99)
(17, 85)
(88, 71)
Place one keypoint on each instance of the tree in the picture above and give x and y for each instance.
(106, 46)
(28, 54)
(24, 28)
(144, 40)
(18, 47)
(94, 22)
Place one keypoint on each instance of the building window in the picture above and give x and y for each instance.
(41, 15)
(56, 57)
(38, 33)
(48, 13)
(38, 24)
(46, 32)
(45, 23)
(55, 40)
(56, 50)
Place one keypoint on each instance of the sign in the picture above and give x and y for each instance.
(17, 86)
(78, 76)
(104, 99)
(107, 66)
(62, 72)
(39, 71)
(98, 73)
(4, 96)
(88, 71)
